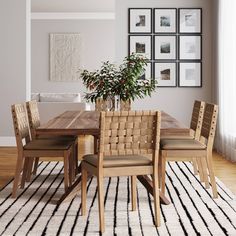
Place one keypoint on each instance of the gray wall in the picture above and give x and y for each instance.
(98, 44)
(14, 61)
(176, 101)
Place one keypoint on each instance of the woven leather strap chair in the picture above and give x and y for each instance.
(194, 133)
(126, 138)
(28, 149)
(181, 150)
(34, 123)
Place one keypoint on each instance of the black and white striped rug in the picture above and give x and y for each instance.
(192, 212)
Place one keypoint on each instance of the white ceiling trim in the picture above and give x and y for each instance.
(73, 16)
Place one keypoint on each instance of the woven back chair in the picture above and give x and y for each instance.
(34, 123)
(200, 149)
(126, 139)
(29, 149)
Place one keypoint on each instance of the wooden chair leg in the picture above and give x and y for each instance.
(134, 192)
(163, 173)
(18, 170)
(212, 176)
(194, 162)
(29, 171)
(76, 158)
(84, 190)
(36, 162)
(156, 197)
(199, 164)
(205, 174)
(25, 171)
(66, 170)
(72, 166)
(101, 202)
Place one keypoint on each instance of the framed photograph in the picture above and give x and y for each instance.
(165, 74)
(190, 20)
(141, 44)
(164, 47)
(190, 47)
(190, 74)
(165, 20)
(148, 72)
(140, 20)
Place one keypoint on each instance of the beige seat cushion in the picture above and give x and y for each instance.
(48, 144)
(182, 145)
(119, 161)
(176, 137)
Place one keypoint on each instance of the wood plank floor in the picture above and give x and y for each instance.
(224, 170)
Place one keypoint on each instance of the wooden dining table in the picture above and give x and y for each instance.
(87, 123)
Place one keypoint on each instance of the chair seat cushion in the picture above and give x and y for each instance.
(119, 161)
(48, 144)
(184, 144)
(177, 137)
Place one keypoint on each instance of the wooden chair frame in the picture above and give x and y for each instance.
(125, 133)
(203, 157)
(21, 129)
(34, 123)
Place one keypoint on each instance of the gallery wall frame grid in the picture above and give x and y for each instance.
(180, 53)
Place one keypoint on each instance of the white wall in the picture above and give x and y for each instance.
(72, 5)
(98, 44)
(176, 101)
(14, 60)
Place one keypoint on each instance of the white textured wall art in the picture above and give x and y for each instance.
(64, 57)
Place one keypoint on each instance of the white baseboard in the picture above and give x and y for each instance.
(7, 141)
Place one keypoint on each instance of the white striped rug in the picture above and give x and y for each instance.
(192, 212)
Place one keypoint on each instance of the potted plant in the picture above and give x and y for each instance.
(124, 82)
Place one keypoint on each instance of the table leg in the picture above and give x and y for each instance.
(147, 183)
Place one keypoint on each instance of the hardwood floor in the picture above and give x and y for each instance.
(224, 170)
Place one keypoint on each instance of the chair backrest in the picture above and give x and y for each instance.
(209, 124)
(20, 123)
(33, 117)
(130, 132)
(197, 118)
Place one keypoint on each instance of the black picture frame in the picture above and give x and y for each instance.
(198, 22)
(134, 29)
(189, 84)
(155, 21)
(150, 72)
(168, 83)
(146, 37)
(164, 56)
(199, 48)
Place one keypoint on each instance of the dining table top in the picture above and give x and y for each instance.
(87, 123)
